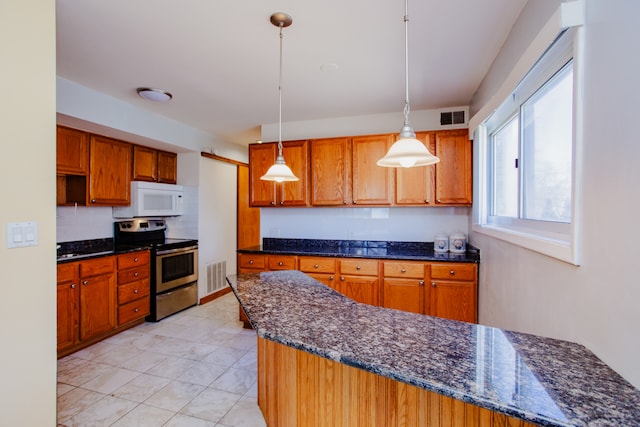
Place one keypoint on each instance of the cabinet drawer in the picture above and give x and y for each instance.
(133, 274)
(318, 265)
(134, 310)
(404, 269)
(133, 291)
(360, 266)
(252, 261)
(94, 267)
(454, 271)
(282, 262)
(133, 259)
(67, 271)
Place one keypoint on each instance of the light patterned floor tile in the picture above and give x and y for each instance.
(202, 373)
(245, 413)
(225, 356)
(103, 413)
(141, 388)
(181, 420)
(110, 380)
(144, 416)
(235, 381)
(174, 395)
(75, 401)
(211, 404)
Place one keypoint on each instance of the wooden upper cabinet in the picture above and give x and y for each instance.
(416, 186)
(110, 166)
(167, 167)
(454, 174)
(72, 151)
(145, 164)
(371, 184)
(154, 165)
(331, 172)
(269, 193)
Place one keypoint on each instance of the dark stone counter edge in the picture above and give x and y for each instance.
(413, 251)
(528, 416)
(90, 249)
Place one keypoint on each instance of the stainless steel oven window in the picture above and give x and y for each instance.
(176, 267)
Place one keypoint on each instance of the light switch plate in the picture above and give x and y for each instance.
(21, 234)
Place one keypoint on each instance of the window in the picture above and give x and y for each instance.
(527, 159)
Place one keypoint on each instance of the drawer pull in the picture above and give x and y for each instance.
(135, 259)
(358, 267)
(250, 261)
(452, 272)
(280, 264)
(403, 270)
(342, 278)
(421, 283)
(85, 282)
(316, 266)
(135, 310)
(135, 291)
(331, 277)
(433, 284)
(73, 286)
(135, 274)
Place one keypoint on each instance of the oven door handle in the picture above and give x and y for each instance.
(172, 251)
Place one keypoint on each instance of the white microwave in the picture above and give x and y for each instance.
(149, 199)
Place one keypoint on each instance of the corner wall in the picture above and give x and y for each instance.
(27, 170)
(595, 304)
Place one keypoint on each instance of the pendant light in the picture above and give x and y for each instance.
(407, 151)
(280, 172)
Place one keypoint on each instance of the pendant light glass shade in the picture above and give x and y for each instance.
(280, 172)
(407, 151)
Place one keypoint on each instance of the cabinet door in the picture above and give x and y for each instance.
(362, 289)
(454, 175)
(327, 279)
(110, 172)
(167, 167)
(97, 305)
(404, 294)
(296, 156)
(72, 151)
(67, 305)
(371, 184)
(145, 164)
(261, 157)
(416, 186)
(453, 299)
(330, 172)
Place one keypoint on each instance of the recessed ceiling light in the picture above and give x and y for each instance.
(154, 94)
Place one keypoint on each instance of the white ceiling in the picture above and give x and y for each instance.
(219, 58)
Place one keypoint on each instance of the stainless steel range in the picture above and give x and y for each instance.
(174, 264)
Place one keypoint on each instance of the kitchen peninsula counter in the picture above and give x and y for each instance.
(539, 380)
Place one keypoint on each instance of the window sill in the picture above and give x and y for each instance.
(562, 248)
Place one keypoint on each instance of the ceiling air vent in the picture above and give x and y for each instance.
(452, 118)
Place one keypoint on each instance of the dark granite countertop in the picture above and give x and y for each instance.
(87, 249)
(541, 380)
(416, 251)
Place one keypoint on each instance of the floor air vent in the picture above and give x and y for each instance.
(452, 117)
(216, 275)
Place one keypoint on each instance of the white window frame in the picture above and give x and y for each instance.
(560, 241)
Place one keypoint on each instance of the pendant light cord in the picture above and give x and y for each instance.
(406, 62)
(280, 97)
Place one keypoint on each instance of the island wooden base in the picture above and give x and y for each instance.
(299, 389)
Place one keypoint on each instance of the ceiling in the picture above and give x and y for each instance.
(220, 58)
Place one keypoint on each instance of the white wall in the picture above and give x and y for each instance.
(27, 170)
(595, 304)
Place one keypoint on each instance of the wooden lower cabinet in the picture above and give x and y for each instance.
(133, 286)
(403, 286)
(320, 268)
(94, 298)
(299, 389)
(359, 280)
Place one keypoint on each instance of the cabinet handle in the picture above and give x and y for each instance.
(281, 203)
(426, 201)
(342, 278)
(135, 274)
(85, 282)
(357, 267)
(438, 201)
(135, 291)
(280, 264)
(135, 259)
(452, 272)
(160, 180)
(250, 261)
(344, 202)
(355, 202)
(73, 286)
(316, 266)
(331, 277)
(433, 284)
(421, 283)
(135, 310)
(93, 200)
(403, 270)
(273, 203)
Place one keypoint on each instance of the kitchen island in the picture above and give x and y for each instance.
(324, 359)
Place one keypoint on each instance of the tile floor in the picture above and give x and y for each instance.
(195, 368)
